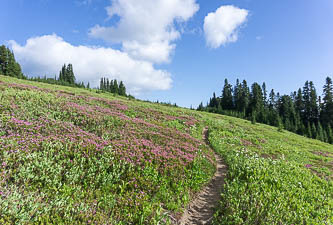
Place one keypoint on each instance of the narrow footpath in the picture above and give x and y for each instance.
(201, 210)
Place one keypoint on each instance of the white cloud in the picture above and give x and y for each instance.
(146, 28)
(221, 26)
(259, 38)
(45, 55)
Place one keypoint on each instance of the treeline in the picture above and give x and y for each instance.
(303, 112)
(112, 86)
(9, 67)
(8, 64)
(66, 78)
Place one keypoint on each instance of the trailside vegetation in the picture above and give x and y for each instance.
(75, 156)
(273, 177)
(303, 112)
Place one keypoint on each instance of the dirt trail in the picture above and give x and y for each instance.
(203, 206)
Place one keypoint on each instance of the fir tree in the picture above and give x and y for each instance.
(256, 101)
(108, 87)
(116, 87)
(122, 89)
(8, 64)
(226, 101)
(327, 107)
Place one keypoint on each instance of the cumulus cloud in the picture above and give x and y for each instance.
(45, 55)
(222, 26)
(146, 28)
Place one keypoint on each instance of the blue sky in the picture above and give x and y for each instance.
(283, 43)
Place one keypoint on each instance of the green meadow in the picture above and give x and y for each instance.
(84, 156)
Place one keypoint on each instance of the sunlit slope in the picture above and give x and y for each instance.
(77, 155)
(71, 155)
(274, 177)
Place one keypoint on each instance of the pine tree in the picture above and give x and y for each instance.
(122, 89)
(306, 102)
(227, 103)
(256, 101)
(288, 113)
(314, 109)
(264, 91)
(201, 107)
(299, 106)
(238, 96)
(108, 87)
(101, 84)
(112, 89)
(64, 74)
(213, 102)
(3, 60)
(327, 107)
(70, 74)
(8, 64)
(116, 87)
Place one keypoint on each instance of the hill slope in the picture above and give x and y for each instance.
(71, 154)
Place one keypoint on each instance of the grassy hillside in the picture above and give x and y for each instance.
(75, 155)
(274, 177)
(71, 154)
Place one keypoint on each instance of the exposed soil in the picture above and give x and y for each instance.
(201, 210)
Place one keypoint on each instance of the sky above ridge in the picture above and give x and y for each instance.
(174, 50)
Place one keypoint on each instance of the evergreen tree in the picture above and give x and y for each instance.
(272, 99)
(108, 87)
(8, 64)
(287, 113)
(70, 74)
(226, 101)
(238, 96)
(245, 98)
(264, 91)
(306, 102)
(112, 90)
(64, 74)
(101, 84)
(327, 108)
(256, 101)
(116, 87)
(3, 60)
(213, 102)
(122, 89)
(314, 109)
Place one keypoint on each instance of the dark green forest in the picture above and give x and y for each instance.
(112, 86)
(304, 111)
(8, 64)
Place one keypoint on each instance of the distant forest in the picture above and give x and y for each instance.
(302, 112)
(9, 67)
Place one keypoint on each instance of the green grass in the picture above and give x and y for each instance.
(81, 156)
(78, 156)
(274, 177)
